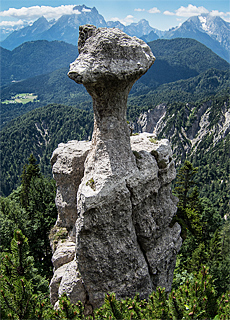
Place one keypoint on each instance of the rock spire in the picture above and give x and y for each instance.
(114, 199)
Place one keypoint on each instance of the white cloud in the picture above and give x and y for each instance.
(191, 11)
(6, 27)
(168, 13)
(224, 16)
(217, 13)
(154, 10)
(139, 10)
(32, 13)
(188, 11)
(129, 16)
(227, 17)
(12, 23)
(127, 20)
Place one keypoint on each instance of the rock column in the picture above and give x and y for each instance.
(108, 64)
(124, 205)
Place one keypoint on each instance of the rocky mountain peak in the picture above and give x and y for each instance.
(40, 20)
(138, 29)
(82, 8)
(210, 30)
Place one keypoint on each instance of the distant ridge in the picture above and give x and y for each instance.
(35, 58)
(210, 30)
(66, 28)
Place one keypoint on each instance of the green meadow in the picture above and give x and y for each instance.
(21, 98)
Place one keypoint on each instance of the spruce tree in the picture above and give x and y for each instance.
(30, 171)
(31, 208)
(185, 184)
(189, 207)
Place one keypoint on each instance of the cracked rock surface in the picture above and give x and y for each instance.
(114, 197)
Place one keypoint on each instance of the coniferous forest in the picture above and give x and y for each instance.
(201, 279)
(62, 112)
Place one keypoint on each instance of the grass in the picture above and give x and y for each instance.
(21, 98)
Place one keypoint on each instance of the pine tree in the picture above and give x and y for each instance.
(42, 214)
(196, 299)
(219, 258)
(31, 208)
(17, 289)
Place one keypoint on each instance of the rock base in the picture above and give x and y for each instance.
(113, 234)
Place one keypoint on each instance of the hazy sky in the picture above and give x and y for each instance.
(161, 14)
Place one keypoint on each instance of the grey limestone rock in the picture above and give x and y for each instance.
(148, 121)
(64, 253)
(55, 283)
(114, 196)
(72, 283)
(68, 165)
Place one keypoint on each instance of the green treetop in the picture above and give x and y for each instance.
(30, 170)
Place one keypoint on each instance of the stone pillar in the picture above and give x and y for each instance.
(124, 203)
(108, 64)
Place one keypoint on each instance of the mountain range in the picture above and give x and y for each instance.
(210, 30)
(184, 69)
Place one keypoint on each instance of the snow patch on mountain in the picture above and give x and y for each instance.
(203, 21)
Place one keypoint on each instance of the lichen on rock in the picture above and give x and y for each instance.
(113, 197)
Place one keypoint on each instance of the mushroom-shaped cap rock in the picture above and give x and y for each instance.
(109, 54)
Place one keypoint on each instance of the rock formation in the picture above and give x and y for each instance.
(114, 199)
(151, 120)
(188, 137)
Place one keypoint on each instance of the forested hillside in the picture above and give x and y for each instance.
(54, 87)
(180, 59)
(39, 132)
(190, 90)
(197, 131)
(34, 58)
